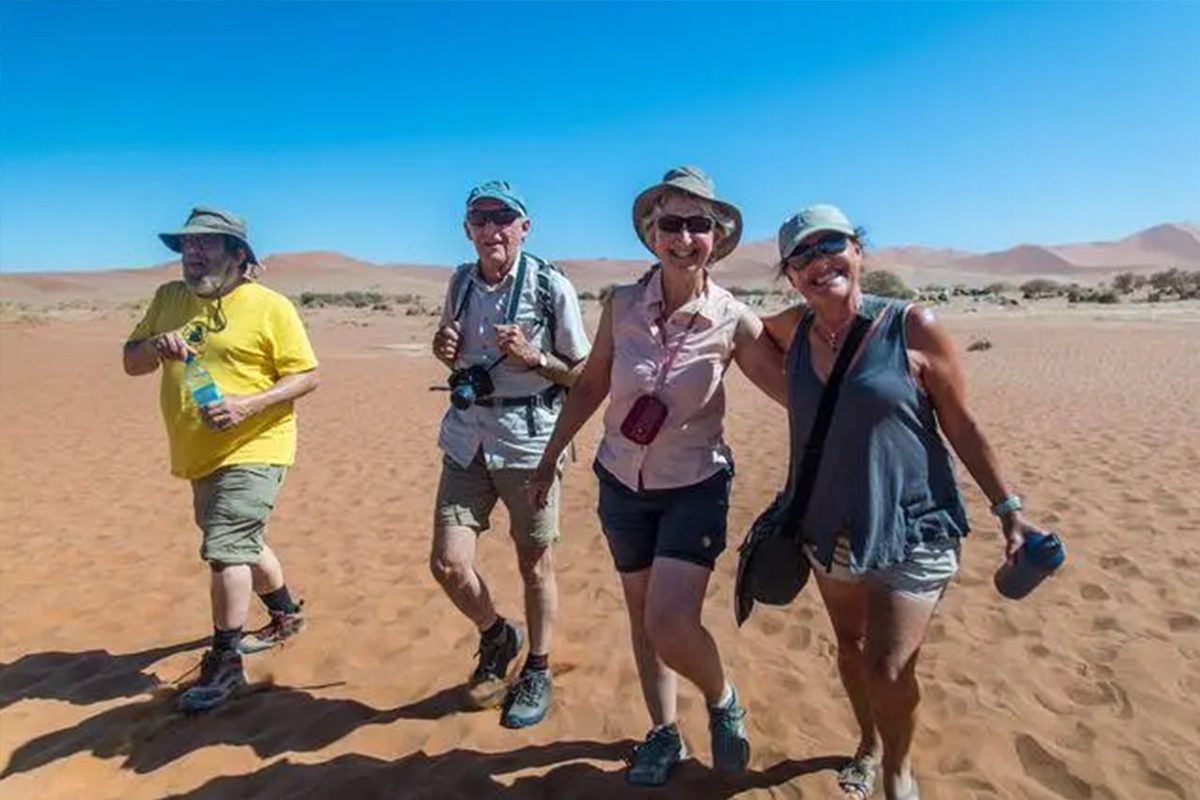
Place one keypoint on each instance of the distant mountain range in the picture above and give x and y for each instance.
(751, 266)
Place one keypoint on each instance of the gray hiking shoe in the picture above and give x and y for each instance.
(221, 677)
(654, 758)
(528, 699)
(283, 626)
(730, 744)
(490, 679)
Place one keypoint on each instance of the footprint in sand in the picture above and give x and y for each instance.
(1038, 650)
(1103, 693)
(1121, 565)
(1093, 592)
(1049, 770)
(1178, 623)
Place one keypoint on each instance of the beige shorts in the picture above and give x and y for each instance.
(466, 498)
(924, 575)
(231, 507)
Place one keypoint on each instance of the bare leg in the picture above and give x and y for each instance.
(541, 595)
(896, 629)
(452, 562)
(846, 603)
(229, 589)
(267, 573)
(660, 686)
(673, 602)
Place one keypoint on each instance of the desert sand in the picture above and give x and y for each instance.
(1087, 689)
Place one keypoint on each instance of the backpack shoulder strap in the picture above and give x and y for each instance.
(460, 289)
(546, 313)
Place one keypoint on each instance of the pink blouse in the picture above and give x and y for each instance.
(690, 447)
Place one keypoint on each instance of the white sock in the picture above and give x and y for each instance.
(726, 697)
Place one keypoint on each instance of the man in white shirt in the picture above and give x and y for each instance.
(512, 333)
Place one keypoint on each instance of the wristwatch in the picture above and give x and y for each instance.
(1007, 505)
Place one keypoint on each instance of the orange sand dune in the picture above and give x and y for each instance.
(1085, 690)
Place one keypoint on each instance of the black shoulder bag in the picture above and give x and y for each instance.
(772, 567)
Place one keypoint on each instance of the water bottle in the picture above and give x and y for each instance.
(1039, 556)
(200, 383)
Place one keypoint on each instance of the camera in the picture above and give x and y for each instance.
(469, 385)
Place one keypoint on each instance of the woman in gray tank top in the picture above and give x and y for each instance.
(885, 521)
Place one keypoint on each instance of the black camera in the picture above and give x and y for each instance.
(470, 384)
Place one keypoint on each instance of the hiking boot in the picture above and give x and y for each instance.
(528, 699)
(283, 626)
(730, 744)
(221, 677)
(490, 679)
(654, 758)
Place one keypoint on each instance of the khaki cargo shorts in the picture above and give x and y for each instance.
(232, 506)
(466, 498)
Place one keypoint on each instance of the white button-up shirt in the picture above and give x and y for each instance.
(503, 433)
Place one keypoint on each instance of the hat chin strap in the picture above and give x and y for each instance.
(226, 285)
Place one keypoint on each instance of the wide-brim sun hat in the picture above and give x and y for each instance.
(206, 219)
(692, 181)
(817, 218)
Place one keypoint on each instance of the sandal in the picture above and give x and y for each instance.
(857, 778)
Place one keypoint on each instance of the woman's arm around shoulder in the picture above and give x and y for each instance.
(759, 356)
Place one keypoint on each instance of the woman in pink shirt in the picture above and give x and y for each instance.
(660, 355)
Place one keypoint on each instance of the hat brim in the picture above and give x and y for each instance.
(801, 235)
(646, 200)
(171, 239)
(508, 202)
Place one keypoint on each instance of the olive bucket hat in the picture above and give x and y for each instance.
(692, 181)
(206, 219)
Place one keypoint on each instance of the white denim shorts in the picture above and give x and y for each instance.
(930, 566)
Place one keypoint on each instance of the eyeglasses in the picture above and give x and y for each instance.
(196, 331)
(201, 241)
(500, 217)
(828, 246)
(669, 223)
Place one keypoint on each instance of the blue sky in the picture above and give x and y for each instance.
(359, 127)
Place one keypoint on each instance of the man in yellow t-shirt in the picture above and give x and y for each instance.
(218, 325)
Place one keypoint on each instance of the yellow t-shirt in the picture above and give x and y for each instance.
(247, 340)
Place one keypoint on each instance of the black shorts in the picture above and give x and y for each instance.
(687, 523)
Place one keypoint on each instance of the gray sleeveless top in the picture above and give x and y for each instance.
(886, 481)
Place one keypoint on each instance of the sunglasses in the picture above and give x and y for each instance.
(826, 246)
(669, 223)
(500, 217)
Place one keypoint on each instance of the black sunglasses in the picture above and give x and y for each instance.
(669, 223)
(828, 246)
(500, 217)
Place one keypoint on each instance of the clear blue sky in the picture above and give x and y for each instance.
(359, 127)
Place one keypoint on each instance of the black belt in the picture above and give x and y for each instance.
(546, 397)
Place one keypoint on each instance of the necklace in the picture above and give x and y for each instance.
(831, 338)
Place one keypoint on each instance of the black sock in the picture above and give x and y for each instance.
(279, 601)
(536, 663)
(496, 631)
(226, 641)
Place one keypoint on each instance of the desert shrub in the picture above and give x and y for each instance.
(885, 284)
(999, 287)
(1038, 288)
(979, 344)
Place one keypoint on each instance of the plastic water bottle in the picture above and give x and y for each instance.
(200, 383)
(1039, 556)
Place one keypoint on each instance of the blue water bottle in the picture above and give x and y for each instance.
(200, 383)
(1039, 556)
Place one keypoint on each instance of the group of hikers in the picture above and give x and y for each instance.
(882, 532)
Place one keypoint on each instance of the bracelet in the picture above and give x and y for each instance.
(1007, 505)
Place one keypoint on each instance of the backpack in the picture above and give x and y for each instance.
(544, 313)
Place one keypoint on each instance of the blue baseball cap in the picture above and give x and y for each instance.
(809, 220)
(498, 190)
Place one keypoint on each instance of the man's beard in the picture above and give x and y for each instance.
(209, 284)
